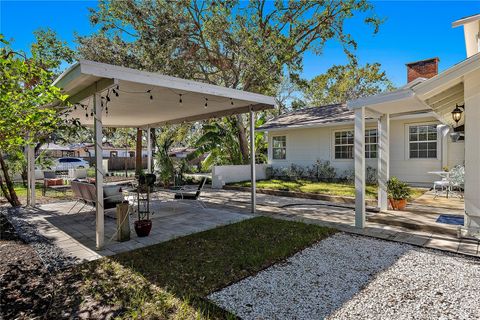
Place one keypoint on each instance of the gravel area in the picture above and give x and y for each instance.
(348, 276)
(51, 255)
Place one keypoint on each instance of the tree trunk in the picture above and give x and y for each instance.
(8, 188)
(138, 152)
(242, 139)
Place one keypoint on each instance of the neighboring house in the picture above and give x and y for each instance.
(87, 150)
(419, 142)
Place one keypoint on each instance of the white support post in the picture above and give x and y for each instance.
(442, 132)
(149, 150)
(100, 233)
(472, 152)
(29, 153)
(252, 160)
(359, 167)
(383, 158)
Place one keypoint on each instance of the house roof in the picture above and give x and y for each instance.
(315, 116)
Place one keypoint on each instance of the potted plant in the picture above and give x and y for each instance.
(143, 225)
(398, 193)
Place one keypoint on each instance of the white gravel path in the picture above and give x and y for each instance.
(351, 277)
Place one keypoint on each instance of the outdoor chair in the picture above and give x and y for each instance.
(85, 193)
(457, 180)
(189, 193)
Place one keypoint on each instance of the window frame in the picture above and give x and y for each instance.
(273, 147)
(409, 142)
(334, 145)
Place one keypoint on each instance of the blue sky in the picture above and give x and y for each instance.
(412, 31)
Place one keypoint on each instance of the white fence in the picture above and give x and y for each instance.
(222, 175)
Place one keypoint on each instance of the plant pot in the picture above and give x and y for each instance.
(143, 227)
(398, 204)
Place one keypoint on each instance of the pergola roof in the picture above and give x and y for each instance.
(147, 99)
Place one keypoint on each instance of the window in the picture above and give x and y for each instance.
(371, 143)
(344, 144)
(279, 148)
(423, 141)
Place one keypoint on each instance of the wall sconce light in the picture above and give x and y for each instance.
(457, 113)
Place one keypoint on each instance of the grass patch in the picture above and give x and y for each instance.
(172, 279)
(50, 195)
(328, 188)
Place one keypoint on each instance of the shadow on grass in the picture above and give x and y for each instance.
(174, 278)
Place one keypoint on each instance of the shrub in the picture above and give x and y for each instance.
(324, 171)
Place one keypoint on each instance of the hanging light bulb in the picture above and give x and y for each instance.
(150, 91)
(231, 101)
(108, 98)
(206, 103)
(180, 101)
(75, 107)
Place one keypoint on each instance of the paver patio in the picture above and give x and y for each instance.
(75, 232)
(417, 225)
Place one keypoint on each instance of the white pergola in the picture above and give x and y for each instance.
(112, 96)
(458, 85)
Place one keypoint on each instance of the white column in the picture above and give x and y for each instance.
(359, 168)
(100, 234)
(31, 174)
(383, 158)
(252, 160)
(149, 150)
(472, 150)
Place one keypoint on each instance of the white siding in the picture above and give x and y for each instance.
(307, 145)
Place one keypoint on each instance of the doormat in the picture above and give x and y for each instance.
(450, 219)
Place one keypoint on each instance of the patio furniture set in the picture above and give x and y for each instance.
(452, 182)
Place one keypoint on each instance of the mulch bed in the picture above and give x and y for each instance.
(27, 289)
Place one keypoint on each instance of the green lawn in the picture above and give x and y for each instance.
(50, 195)
(328, 188)
(171, 280)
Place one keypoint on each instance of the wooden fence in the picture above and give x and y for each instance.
(120, 163)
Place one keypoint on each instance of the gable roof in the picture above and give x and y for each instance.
(322, 115)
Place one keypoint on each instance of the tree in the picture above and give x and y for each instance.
(346, 82)
(237, 44)
(28, 107)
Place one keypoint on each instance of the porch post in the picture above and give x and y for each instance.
(359, 167)
(472, 151)
(149, 150)
(442, 132)
(30, 153)
(252, 160)
(383, 167)
(100, 235)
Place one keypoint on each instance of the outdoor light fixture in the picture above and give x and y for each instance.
(457, 113)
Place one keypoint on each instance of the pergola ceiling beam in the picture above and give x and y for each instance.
(99, 86)
(216, 114)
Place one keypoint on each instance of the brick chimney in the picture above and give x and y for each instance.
(422, 69)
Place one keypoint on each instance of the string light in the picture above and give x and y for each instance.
(150, 91)
(206, 103)
(231, 101)
(180, 101)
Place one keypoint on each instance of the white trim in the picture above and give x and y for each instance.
(465, 20)
(407, 140)
(103, 70)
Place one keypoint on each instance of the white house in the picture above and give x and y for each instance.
(419, 143)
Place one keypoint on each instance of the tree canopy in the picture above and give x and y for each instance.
(342, 83)
(237, 44)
